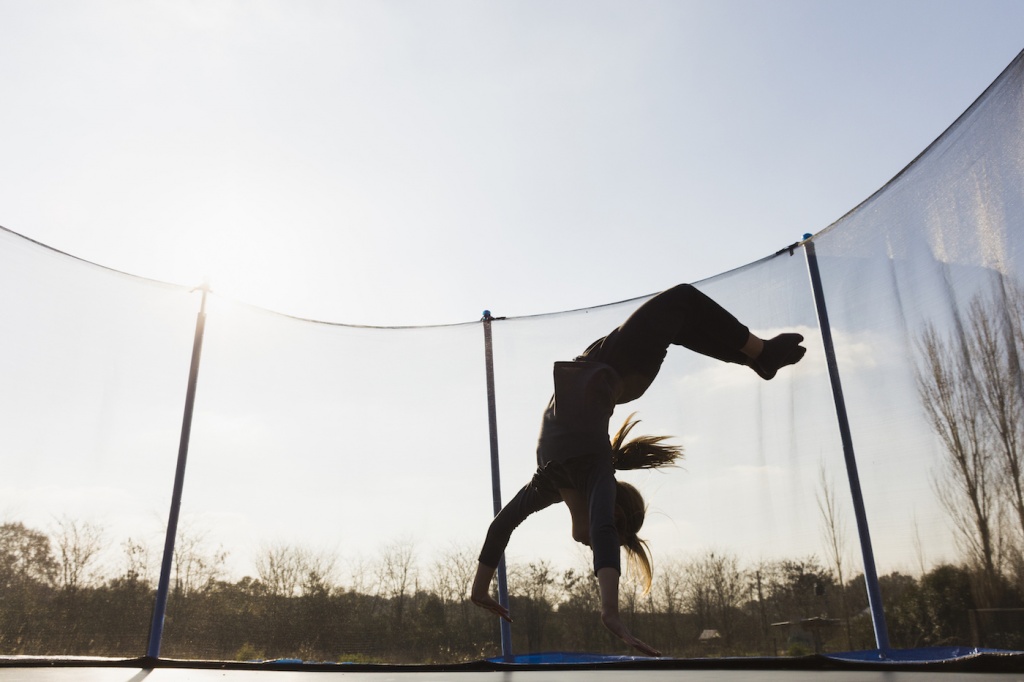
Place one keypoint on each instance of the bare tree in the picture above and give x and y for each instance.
(972, 387)
(714, 591)
(319, 573)
(288, 571)
(834, 535)
(668, 588)
(360, 572)
(631, 599)
(451, 574)
(833, 525)
(996, 344)
(536, 581)
(279, 569)
(396, 575)
(136, 562)
(78, 545)
(949, 392)
(919, 548)
(579, 589)
(451, 579)
(533, 589)
(195, 567)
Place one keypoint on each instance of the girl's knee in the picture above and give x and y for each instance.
(682, 294)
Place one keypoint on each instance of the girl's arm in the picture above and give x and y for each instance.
(608, 582)
(527, 501)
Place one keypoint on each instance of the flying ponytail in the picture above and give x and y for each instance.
(643, 452)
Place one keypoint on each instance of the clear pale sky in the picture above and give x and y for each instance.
(405, 163)
(417, 162)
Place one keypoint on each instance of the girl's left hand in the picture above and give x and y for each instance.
(486, 601)
(480, 593)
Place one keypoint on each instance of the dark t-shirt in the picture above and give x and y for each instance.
(573, 451)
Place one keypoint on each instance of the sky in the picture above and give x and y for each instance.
(399, 164)
(408, 163)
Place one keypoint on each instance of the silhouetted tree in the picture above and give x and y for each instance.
(715, 588)
(28, 573)
(532, 598)
(834, 536)
(970, 384)
(396, 578)
(26, 556)
(996, 344)
(78, 544)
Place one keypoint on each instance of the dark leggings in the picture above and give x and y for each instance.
(680, 316)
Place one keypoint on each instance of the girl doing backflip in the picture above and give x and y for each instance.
(576, 463)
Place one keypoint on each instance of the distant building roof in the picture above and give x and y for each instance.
(809, 623)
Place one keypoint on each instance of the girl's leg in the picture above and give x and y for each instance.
(681, 316)
(707, 328)
(684, 316)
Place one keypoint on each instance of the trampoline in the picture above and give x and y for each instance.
(297, 529)
(950, 663)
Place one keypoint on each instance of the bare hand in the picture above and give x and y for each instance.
(486, 601)
(615, 624)
(480, 594)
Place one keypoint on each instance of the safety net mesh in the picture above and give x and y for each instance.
(338, 480)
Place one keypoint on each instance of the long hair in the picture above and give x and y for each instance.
(642, 452)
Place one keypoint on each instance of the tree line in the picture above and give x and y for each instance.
(396, 609)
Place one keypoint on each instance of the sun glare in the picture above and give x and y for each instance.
(237, 266)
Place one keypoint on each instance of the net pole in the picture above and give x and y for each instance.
(868, 555)
(492, 422)
(156, 629)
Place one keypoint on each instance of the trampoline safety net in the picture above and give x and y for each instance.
(338, 480)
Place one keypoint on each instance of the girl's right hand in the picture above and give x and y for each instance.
(613, 623)
(608, 582)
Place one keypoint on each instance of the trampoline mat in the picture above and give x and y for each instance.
(863, 666)
(67, 674)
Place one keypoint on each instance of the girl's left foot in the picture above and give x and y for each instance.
(784, 349)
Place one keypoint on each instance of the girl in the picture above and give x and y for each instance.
(576, 461)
